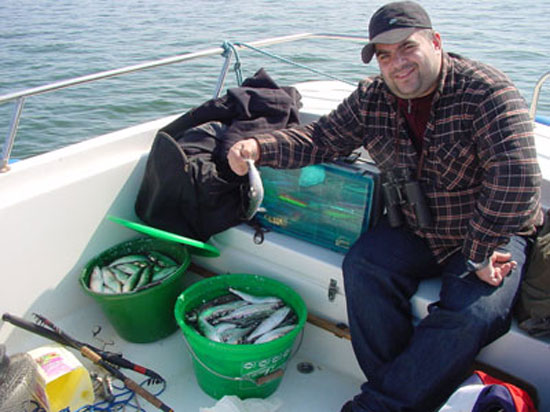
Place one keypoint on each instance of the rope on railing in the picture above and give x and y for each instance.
(227, 48)
(232, 46)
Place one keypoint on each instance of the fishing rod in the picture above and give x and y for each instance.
(91, 353)
(56, 334)
(111, 357)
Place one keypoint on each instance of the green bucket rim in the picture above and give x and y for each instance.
(190, 332)
(102, 257)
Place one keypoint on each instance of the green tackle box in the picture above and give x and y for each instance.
(329, 204)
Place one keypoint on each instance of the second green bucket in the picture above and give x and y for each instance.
(246, 370)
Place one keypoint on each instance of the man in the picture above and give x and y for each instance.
(462, 131)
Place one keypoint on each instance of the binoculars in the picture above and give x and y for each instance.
(400, 189)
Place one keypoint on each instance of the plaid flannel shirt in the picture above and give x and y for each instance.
(478, 166)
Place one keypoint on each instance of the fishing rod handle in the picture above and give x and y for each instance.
(90, 354)
(152, 399)
(130, 384)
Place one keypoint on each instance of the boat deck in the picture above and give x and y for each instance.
(324, 389)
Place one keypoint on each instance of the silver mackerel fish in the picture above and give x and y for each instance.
(242, 318)
(256, 191)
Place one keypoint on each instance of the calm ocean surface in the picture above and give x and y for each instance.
(43, 41)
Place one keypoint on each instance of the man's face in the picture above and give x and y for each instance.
(411, 68)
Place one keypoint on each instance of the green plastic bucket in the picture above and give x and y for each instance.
(247, 370)
(147, 315)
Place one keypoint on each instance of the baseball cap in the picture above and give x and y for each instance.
(393, 23)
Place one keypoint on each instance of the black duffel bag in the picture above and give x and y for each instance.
(188, 187)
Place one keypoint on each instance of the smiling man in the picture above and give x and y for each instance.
(454, 142)
(409, 57)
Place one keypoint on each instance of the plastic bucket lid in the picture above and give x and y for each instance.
(147, 315)
(246, 370)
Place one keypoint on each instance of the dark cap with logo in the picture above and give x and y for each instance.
(393, 23)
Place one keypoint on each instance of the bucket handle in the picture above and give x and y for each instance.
(259, 381)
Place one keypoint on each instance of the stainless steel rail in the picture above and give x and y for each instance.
(536, 93)
(20, 96)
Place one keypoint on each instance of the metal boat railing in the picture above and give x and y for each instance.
(536, 93)
(20, 96)
(227, 52)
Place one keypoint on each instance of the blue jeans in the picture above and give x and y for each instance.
(416, 367)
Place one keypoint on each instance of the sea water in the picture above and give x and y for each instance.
(43, 41)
